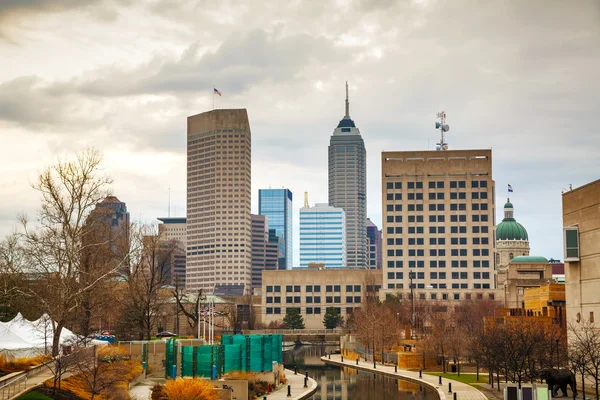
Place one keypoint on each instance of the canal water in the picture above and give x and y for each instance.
(337, 383)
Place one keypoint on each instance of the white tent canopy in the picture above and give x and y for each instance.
(23, 338)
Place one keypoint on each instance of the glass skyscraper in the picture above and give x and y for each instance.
(276, 205)
(323, 236)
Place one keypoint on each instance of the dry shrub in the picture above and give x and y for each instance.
(189, 389)
(21, 364)
(256, 386)
(157, 392)
(112, 354)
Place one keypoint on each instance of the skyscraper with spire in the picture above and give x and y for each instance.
(348, 185)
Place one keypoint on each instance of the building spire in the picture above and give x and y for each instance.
(347, 103)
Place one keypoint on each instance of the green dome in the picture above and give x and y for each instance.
(509, 229)
(530, 259)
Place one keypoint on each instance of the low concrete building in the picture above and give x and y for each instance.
(524, 272)
(314, 290)
(581, 222)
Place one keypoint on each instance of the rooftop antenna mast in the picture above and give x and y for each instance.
(441, 125)
(305, 199)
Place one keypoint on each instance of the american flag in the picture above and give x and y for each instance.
(510, 189)
(215, 91)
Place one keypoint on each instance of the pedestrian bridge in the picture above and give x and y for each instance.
(313, 336)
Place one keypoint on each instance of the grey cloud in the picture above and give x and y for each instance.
(241, 61)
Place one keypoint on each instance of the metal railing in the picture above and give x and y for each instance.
(13, 387)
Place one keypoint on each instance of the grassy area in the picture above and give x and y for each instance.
(464, 378)
(34, 395)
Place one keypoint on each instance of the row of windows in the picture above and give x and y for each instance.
(444, 296)
(437, 229)
(438, 264)
(435, 218)
(438, 196)
(309, 310)
(314, 288)
(440, 275)
(437, 184)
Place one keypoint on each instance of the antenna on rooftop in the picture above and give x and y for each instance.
(306, 199)
(441, 125)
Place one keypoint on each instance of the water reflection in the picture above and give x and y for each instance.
(337, 383)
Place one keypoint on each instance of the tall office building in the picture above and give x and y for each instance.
(323, 236)
(276, 204)
(172, 229)
(107, 233)
(438, 223)
(219, 241)
(348, 185)
(374, 236)
(260, 237)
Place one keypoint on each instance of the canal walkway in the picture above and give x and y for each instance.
(460, 391)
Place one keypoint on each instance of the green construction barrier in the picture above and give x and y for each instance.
(242, 340)
(255, 354)
(232, 360)
(267, 353)
(170, 357)
(206, 357)
(187, 361)
(226, 339)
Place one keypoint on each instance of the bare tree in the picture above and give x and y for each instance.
(183, 299)
(584, 352)
(53, 248)
(98, 376)
(150, 269)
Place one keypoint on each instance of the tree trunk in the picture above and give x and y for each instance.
(458, 366)
(498, 376)
(56, 339)
(583, 385)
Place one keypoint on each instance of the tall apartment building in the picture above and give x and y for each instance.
(581, 224)
(438, 223)
(348, 185)
(276, 204)
(323, 236)
(219, 239)
(374, 236)
(173, 229)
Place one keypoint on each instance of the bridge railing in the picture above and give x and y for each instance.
(297, 332)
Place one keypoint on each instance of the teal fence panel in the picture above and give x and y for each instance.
(267, 353)
(170, 356)
(255, 354)
(204, 358)
(226, 339)
(242, 340)
(187, 361)
(232, 360)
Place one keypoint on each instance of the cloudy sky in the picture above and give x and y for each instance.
(520, 77)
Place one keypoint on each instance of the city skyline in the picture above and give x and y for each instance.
(523, 86)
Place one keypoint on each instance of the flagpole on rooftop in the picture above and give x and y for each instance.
(213, 93)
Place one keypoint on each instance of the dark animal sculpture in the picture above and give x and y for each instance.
(559, 378)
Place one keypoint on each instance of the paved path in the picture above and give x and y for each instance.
(142, 390)
(26, 385)
(462, 390)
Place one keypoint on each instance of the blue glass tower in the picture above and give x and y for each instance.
(276, 205)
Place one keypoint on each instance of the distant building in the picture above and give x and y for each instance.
(348, 185)
(274, 251)
(522, 273)
(323, 236)
(511, 241)
(374, 236)
(581, 227)
(107, 232)
(219, 237)
(438, 223)
(173, 229)
(313, 291)
(276, 204)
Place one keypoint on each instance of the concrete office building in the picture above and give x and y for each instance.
(172, 229)
(522, 273)
(265, 249)
(438, 223)
(581, 222)
(348, 185)
(276, 204)
(374, 237)
(323, 236)
(511, 241)
(219, 238)
(315, 290)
